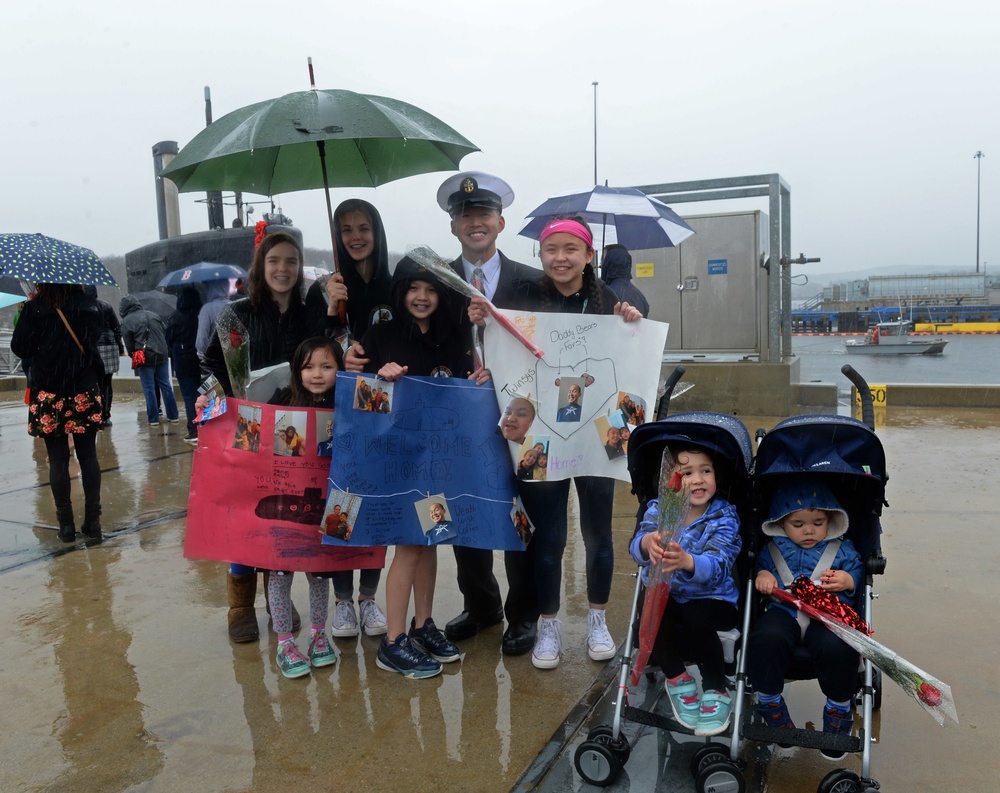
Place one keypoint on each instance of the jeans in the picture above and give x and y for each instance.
(343, 583)
(189, 392)
(153, 375)
(546, 504)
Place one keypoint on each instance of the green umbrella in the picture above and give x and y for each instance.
(317, 138)
(271, 147)
(45, 260)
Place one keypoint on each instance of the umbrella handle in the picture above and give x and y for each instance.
(341, 308)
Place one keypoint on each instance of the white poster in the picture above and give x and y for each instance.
(571, 412)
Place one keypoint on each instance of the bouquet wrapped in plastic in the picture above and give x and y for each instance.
(235, 351)
(929, 692)
(425, 257)
(674, 505)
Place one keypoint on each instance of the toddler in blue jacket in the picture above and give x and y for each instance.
(807, 526)
(703, 594)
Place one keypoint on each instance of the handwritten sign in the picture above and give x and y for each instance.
(572, 412)
(258, 491)
(430, 469)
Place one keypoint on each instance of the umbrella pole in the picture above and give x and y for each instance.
(341, 308)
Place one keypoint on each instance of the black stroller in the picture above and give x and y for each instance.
(600, 758)
(849, 457)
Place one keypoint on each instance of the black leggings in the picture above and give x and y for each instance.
(688, 632)
(90, 472)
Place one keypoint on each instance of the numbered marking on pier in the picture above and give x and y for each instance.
(879, 395)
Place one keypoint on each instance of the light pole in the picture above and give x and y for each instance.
(978, 157)
(595, 131)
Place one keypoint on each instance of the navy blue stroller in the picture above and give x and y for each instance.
(600, 759)
(848, 457)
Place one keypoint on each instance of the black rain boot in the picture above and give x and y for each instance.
(92, 523)
(67, 526)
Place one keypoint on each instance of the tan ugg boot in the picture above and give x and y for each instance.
(242, 590)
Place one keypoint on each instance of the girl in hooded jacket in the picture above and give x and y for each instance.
(421, 340)
(363, 269)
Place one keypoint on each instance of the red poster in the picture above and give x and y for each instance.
(258, 490)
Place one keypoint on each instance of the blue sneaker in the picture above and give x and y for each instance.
(291, 661)
(714, 714)
(403, 657)
(432, 642)
(776, 715)
(836, 721)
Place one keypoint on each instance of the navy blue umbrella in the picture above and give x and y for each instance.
(200, 273)
(615, 214)
(46, 260)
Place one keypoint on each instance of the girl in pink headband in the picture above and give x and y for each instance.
(570, 286)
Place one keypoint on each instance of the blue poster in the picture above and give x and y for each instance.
(420, 461)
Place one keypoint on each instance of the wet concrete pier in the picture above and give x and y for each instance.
(118, 675)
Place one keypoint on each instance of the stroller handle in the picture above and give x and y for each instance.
(867, 403)
(668, 389)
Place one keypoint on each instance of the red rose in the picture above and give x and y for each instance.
(260, 231)
(929, 695)
(676, 482)
(235, 340)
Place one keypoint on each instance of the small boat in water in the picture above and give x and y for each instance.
(893, 338)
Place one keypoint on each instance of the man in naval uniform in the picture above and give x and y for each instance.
(475, 201)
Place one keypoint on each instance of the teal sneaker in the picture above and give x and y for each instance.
(683, 696)
(291, 661)
(320, 651)
(716, 707)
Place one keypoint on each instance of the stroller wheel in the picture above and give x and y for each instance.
(709, 753)
(840, 781)
(596, 763)
(603, 734)
(721, 777)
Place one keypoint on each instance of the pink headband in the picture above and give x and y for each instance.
(567, 226)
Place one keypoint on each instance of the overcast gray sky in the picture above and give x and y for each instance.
(871, 111)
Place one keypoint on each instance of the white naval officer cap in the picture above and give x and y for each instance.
(474, 188)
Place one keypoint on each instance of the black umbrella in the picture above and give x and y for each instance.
(159, 303)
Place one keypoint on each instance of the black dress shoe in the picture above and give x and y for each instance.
(465, 625)
(519, 638)
(67, 533)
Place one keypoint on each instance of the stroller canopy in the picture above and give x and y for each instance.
(844, 452)
(723, 436)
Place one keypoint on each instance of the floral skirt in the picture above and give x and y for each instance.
(50, 415)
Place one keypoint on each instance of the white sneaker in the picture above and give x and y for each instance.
(345, 621)
(600, 645)
(548, 645)
(372, 619)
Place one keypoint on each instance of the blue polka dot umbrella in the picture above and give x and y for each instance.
(45, 260)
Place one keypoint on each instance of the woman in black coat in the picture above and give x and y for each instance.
(59, 330)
